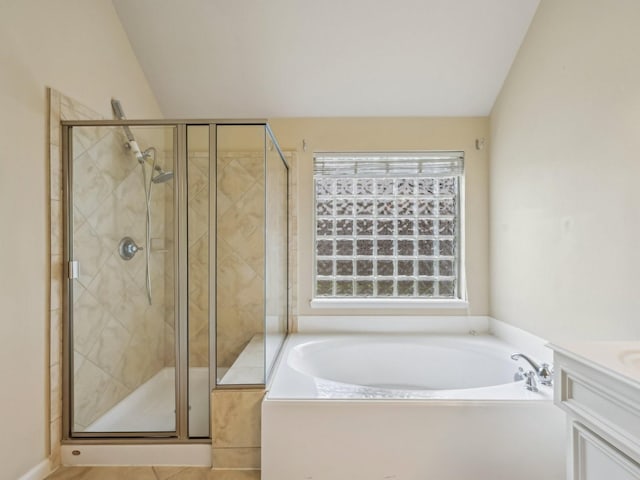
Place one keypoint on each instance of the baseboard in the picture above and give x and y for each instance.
(38, 472)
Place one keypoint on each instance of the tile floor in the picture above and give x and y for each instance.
(151, 473)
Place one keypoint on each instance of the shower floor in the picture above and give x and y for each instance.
(151, 407)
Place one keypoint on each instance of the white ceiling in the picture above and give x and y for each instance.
(305, 58)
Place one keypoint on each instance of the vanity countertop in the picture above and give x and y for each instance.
(619, 359)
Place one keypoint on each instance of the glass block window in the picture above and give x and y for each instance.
(387, 225)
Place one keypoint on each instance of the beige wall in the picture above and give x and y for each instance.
(79, 48)
(565, 202)
(375, 134)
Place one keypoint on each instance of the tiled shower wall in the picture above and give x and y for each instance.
(64, 108)
(120, 340)
(240, 252)
(118, 337)
(198, 241)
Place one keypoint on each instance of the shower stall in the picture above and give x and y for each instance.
(176, 240)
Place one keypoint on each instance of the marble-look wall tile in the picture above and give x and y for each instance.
(112, 221)
(198, 335)
(254, 164)
(198, 257)
(241, 254)
(78, 360)
(56, 282)
(223, 203)
(240, 306)
(169, 346)
(199, 270)
(55, 334)
(144, 355)
(113, 159)
(113, 287)
(55, 407)
(236, 457)
(198, 174)
(56, 227)
(234, 278)
(245, 217)
(198, 218)
(54, 118)
(90, 316)
(234, 180)
(110, 346)
(55, 440)
(90, 187)
(55, 168)
(71, 109)
(236, 417)
(91, 252)
(89, 380)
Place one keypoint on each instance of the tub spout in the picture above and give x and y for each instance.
(544, 372)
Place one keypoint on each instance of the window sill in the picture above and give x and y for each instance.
(388, 303)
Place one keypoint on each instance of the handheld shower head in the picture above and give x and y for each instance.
(162, 176)
(132, 144)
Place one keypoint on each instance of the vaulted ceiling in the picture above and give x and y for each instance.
(302, 58)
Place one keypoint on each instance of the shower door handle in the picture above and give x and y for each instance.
(74, 269)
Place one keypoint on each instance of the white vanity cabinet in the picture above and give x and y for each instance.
(598, 385)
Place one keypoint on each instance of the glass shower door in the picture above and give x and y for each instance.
(122, 269)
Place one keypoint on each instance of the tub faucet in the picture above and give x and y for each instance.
(530, 381)
(544, 372)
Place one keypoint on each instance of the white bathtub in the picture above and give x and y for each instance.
(410, 407)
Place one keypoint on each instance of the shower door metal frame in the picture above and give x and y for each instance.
(181, 432)
(213, 147)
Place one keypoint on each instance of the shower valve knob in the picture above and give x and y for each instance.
(128, 248)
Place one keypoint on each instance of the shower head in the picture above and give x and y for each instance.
(117, 108)
(132, 144)
(162, 176)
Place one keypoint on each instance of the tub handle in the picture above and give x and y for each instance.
(530, 382)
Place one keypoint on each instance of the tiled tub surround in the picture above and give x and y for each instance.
(496, 432)
(236, 423)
